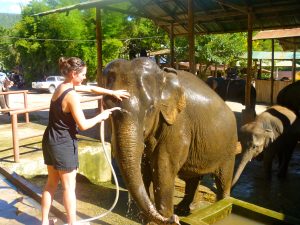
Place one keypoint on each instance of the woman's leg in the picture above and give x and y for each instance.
(48, 193)
(68, 180)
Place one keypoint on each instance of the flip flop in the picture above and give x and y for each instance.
(52, 221)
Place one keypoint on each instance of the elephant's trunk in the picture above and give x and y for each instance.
(128, 141)
(246, 157)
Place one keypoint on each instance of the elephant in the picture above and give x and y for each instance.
(172, 125)
(289, 97)
(232, 90)
(273, 132)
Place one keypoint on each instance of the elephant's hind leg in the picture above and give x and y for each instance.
(190, 196)
(223, 178)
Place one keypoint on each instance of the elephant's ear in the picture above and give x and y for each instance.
(172, 96)
(269, 134)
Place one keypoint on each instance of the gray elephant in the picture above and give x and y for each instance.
(172, 124)
(273, 132)
(289, 97)
(233, 90)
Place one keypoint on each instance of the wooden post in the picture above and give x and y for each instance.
(248, 114)
(14, 125)
(272, 74)
(191, 37)
(172, 46)
(249, 62)
(99, 46)
(26, 107)
(294, 64)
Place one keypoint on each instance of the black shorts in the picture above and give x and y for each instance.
(62, 156)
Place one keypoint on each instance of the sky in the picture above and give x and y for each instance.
(12, 6)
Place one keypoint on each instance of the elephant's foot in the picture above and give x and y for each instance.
(173, 220)
(182, 209)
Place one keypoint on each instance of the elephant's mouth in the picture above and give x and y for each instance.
(110, 102)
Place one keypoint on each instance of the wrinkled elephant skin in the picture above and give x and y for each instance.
(173, 123)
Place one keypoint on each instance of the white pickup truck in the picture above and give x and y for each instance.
(50, 84)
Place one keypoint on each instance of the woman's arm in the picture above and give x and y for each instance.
(93, 89)
(78, 115)
(119, 94)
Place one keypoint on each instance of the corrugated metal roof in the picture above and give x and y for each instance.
(288, 38)
(268, 55)
(210, 16)
(282, 33)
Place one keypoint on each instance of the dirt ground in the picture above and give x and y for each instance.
(281, 196)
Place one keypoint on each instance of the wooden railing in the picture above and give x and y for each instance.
(14, 123)
(25, 92)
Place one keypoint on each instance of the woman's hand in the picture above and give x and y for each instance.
(106, 113)
(120, 94)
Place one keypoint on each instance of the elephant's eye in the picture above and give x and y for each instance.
(254, 146)
(110, 81)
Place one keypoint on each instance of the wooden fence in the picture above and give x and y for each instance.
(263, 90)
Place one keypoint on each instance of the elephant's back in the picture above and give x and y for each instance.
(201, 97)
(210, 117)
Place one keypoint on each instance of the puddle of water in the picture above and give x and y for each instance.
(281, 196)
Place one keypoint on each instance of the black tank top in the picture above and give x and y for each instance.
(61, 126)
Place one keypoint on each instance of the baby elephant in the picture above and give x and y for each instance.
(273, 132)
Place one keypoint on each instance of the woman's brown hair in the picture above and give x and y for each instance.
(67, 65)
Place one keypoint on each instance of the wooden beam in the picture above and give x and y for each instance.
(233, 6)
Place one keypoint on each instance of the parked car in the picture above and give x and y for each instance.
(50, 84)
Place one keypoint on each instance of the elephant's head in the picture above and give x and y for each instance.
(155, 96)
(254, 138)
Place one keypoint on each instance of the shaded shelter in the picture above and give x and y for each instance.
(195, 17)
(289, 39)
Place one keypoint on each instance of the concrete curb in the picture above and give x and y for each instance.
(32, 191)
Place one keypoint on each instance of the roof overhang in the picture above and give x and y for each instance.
(210, 16)
(289, 39)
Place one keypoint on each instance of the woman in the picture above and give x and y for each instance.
(59, 140)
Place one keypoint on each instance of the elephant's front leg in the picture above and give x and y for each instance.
(269, 155)
(146, 173)
(163, 184)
